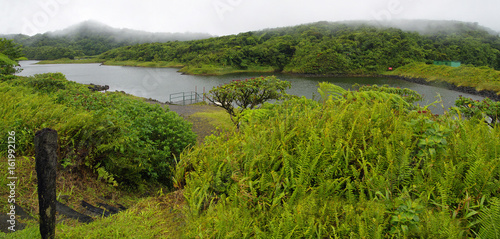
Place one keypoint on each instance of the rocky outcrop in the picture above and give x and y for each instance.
(93, 87)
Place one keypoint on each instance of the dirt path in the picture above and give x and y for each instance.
(201, 125)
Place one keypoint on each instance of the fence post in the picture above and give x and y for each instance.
(46, 165)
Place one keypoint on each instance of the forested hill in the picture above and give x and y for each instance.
(90, 38)
(327, 48)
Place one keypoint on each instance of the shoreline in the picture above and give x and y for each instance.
(423, 81)
(450, 86)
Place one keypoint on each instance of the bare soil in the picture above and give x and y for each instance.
(201, 126)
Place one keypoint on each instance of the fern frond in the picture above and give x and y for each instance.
(490, 220)
(328, 89)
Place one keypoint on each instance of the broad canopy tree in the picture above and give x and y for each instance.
(247, 94)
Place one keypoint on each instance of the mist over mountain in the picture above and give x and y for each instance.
(422, 26)
(90, 38)
(348, 47)
(429, 27)
(94, 28)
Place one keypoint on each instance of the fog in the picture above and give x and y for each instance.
(223, 17)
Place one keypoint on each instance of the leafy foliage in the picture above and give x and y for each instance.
(475, 108)
(327, 90)
(89, 39)
(344, 169)
(321, 48)
(121, 138)
(10, 53)
(408, 95)
(247, 94)
(490, 220)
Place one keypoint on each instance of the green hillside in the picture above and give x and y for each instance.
(88, 39)
(323, 48)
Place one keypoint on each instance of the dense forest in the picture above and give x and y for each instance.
(88, 39)
(327, 48)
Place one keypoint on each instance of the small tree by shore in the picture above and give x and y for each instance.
(247, 94)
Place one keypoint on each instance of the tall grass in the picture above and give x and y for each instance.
(353, 167)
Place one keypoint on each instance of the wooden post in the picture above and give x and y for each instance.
(46, 164)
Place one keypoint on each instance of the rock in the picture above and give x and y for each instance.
(93, 87)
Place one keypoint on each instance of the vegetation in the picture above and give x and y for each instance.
(355, 166)
(247, 94)
(487, 108)
(10, 54)
(480, 78)
(123, 139)
(88, 39)
(71, 61)
(320, 48)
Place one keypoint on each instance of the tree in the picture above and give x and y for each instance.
(10, 53)
(247, 94)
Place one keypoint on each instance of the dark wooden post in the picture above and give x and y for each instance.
(46, 164)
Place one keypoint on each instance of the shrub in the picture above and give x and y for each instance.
(116, 135)
(486, 108)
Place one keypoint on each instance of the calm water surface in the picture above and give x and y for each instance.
(159, 83)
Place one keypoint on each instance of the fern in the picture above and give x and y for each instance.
(327, 90)
(490, 220)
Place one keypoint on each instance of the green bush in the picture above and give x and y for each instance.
(486, 108)
(344, 169)
(120, 137)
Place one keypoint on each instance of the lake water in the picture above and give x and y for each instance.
(159, 83)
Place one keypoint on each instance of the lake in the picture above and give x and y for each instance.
(159, 83)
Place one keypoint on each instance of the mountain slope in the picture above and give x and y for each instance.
(90, 38)
(355, 47)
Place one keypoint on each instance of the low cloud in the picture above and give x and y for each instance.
(222, 17)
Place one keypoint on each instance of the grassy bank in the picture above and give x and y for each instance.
(113, 63)
(220, 70)
(111, 133)
(192, 70)
(142, 63)
(49, 100)
(71, 61)
(113, 148)
(480, 78)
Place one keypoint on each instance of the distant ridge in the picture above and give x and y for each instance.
(91, 27)
(422, 26)
(90, 38)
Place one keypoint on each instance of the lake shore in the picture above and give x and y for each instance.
(414, 77)
(443, 84)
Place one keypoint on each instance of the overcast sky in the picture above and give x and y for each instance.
(222, 17)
